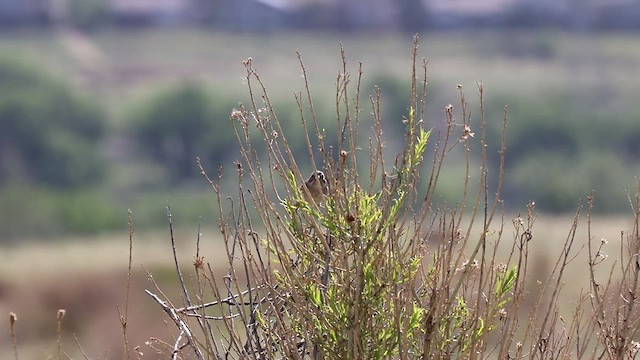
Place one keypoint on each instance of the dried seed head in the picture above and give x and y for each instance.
(466, 133)
(198, 262)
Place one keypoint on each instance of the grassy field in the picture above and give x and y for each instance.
(87, 275)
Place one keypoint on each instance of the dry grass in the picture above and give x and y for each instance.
(34, 258)
(87, 277)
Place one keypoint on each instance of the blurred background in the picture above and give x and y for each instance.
(104, 105)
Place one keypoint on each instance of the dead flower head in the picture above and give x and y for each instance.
(466, 133)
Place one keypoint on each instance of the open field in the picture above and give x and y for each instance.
(121, 66)
(87, 277)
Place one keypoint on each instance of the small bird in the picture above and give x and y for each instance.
(318, 187)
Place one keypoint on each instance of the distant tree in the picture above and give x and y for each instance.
(537, 13)
(618, 15)
(175, 126)
(413, 16)
(24, 12)
(207, 12)
(314, 16)
(49, 134)
(88, 14)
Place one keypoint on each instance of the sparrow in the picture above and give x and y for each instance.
(318, 187)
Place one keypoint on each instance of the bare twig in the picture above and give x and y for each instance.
(84, 355)
(124, 317)
(12, 332)
(59, 317)
(182, 326)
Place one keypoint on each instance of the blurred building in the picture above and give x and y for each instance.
(411, 15)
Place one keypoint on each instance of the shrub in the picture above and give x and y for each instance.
(176, 125)
(555, 152)
(32, 211)
(49, 135)
(378, 269)
(557, 181)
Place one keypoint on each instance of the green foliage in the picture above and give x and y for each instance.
(175, 126)
(49, 134)
(395, 93)
(549, 121)
(557, 153)
(505, 283)
(370, 277)
(557, 181)
(30, 211)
